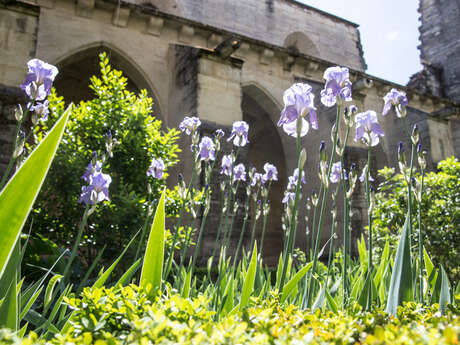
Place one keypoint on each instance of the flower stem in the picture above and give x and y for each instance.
(15, 142)
(420, 238)
(76, 244)
(264, 227)
(309, 289)
(369, 219)
(177, 227)
(345, 224)
(291, 234)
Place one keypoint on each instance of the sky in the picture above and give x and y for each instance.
(389, 34)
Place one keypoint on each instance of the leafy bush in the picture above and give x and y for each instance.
(127, 316)
(137, 136)
(440, 213)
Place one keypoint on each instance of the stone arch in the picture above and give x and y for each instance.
(261, 112)
(77, 66)
(298, 42)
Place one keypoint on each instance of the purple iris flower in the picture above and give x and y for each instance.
(368, 128)
(39, 79)
(219, 133)
(362, 178)
(227, 165)
(97, 190)
(239, 133)
(239, 172)
(256, 178)
(207, 149)
(338, 85)
(336, 172)
(271, 173)
(396, 98)
(90, 170)
(292, 180)
(298, 102)
(41, 110)
(190, 124)
(288, 196)
(156, 169)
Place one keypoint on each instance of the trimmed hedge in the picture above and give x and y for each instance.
(126, 316)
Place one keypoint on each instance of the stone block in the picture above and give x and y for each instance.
(121, 16)
(155, 25)
(186, 33)
(85, 8)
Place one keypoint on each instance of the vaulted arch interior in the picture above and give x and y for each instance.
(265, 146)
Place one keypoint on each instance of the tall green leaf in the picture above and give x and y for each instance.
(9, 307)
(401, 278)
(294, 281)
(249, 279)
(152, 268)
(444, 298)
(18, 196)
(104, 276)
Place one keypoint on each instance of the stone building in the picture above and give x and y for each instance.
(231, 60)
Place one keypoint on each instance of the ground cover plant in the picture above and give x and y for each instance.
(159, 296)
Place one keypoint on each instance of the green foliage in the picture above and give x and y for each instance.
(152, 268)
(128, 316)
(440, 214)
(137, 138)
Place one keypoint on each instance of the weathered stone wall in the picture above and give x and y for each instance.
(173, 58)
(272, 21)
(439, 34)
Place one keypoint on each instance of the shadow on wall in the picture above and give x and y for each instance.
(298, 42)
(265, 146)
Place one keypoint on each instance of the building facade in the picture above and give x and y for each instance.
(232, 60)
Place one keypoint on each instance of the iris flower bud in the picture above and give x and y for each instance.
(415, 137)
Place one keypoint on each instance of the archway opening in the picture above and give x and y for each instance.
(75, 72)
(265, 145)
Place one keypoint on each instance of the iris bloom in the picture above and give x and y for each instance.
(368, 128)
(288, 196)
(338, 86)
(271, 173)
(362, 177)
(39, 79)
(397, 99)
(90, 170)
(97, 190)
(293, 179)
(298, 102)
(239, 172)
(256, 178)
(239, 133)
(41, 110)
(156, 169)
(190, 124)
(336, 172)
(207, 149)
(227, 165)
(219, 133)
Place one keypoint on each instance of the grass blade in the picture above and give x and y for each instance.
(401, 283)
(152, 268)
(249, 279)
(129, 273)
(294, 281)
(444, 297)
(104, 276)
